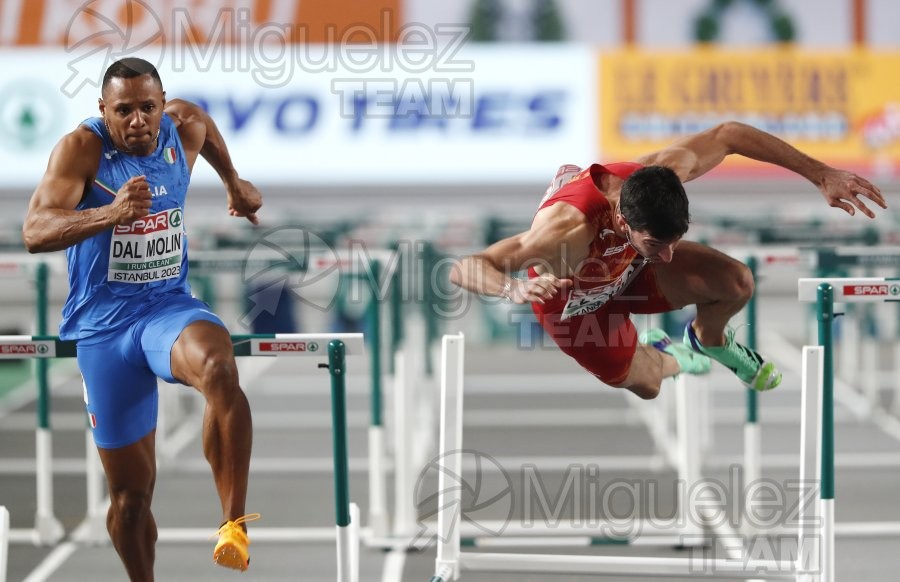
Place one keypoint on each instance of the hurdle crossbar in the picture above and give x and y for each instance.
(451, 561)
(851, 290)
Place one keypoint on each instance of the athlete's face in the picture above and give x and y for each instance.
(132, 110)
(651, 248)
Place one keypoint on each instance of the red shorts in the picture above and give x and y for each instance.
(604, 341)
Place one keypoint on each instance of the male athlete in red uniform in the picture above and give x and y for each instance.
(602, 246)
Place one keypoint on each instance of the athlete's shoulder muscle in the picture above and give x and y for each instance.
(72, 167)
(188, 120)
(561, 231)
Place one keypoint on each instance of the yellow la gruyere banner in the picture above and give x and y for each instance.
(842, 107)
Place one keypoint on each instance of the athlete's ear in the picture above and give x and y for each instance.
(101, 105)
(164, 99)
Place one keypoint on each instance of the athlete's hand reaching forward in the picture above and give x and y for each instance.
(244, 200)
(845, 190)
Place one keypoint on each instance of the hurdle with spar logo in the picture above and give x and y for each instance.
(47, 528)
(873, 289)
(331, 347)
(371, 266)
(381, 268)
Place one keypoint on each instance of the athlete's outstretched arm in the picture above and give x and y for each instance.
(52, 223)
(200, 136)
(695, 155)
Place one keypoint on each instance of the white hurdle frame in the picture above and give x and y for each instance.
(451, 561)
(673, 415)
(374, 263)
(93, 528)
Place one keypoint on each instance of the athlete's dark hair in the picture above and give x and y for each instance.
(653, 200)
(129, 68)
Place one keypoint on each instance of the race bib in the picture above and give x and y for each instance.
(149, 249)
(589, 301)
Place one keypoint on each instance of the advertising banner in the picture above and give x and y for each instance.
(437, 111)
(841, 107)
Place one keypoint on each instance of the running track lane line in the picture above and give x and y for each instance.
(52, 562)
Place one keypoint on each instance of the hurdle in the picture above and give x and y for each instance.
(756, 259)
(853, 377)
(859, 354)
(682, 454)
(368, 264)
(815, 554)
(339, 346)
(865, 290)
(47, 528)
(380, 269)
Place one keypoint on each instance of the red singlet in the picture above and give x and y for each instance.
(590, 321)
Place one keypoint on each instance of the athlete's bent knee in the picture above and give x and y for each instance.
(741, 283)
(218, 370)
(130, 508)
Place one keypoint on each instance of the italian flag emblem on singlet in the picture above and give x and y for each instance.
(169, 155)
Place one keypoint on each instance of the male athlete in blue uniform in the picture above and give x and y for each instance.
(113, 197)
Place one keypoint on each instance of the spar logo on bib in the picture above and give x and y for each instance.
(875, 290)
(146, 225)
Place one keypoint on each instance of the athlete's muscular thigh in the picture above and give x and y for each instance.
(201, 344)
(700, 274)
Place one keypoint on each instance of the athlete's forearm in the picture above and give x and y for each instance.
(479, 275)
(752, 143)
(55, 229)
(215, 152)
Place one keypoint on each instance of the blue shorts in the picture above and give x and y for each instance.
(120, 369)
